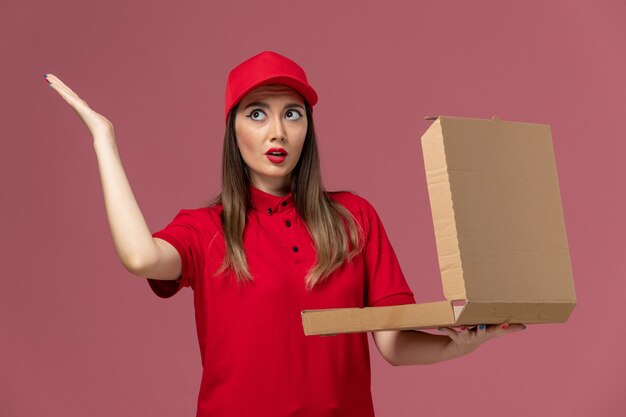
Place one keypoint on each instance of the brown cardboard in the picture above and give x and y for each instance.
(499, 231)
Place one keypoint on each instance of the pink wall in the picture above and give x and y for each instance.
(81, 336)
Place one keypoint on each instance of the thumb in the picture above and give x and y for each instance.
(516, 327)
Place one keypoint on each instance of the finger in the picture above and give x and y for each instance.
(495, 330)
(516, 327)
(78, 105)
(450, 332)
(481, 331)
(464, 333)
(56, 81)
(67, 93)
(506, 328)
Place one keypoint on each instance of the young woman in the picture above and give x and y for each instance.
(273, 243)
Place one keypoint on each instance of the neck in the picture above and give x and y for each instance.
(279, 187)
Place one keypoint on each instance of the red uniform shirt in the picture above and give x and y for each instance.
(256, 359)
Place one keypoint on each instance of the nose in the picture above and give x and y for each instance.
(278, 131)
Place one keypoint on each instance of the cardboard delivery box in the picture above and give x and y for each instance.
(499, 229)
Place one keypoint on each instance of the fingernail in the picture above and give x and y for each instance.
(505, 326)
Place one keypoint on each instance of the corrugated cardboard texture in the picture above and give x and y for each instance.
(497, 211)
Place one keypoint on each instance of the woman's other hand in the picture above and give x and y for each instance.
(467, 338)
(97, 124)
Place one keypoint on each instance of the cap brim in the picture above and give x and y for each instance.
(307, 92)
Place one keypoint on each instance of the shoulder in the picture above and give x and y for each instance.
(205, 218)
(353, 202)
(200, 213)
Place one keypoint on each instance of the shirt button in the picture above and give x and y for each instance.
(269, 210)
(284, 203)
(295, 249)
(287, 223)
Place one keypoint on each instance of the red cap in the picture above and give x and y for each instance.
(266, 68)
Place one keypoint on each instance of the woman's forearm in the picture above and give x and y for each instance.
(420, 348)
(131, 236)
(410, 347)
(133, 241)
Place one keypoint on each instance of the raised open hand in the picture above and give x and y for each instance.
(97, 124)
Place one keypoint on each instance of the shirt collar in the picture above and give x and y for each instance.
(269, 203)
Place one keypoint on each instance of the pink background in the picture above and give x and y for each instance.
(80, 336)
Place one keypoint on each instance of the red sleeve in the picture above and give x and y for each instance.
(385, 284)
(183, 232)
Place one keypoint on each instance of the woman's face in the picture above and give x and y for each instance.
(271, 116)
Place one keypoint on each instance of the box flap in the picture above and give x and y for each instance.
(401, 317)
(497, 213)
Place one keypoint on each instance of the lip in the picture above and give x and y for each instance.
(276, 159)
(276, 150)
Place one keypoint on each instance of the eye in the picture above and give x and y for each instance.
(256, 113)
(293, 114)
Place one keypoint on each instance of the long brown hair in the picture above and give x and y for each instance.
(323, 217)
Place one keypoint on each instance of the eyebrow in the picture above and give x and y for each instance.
(266, 106)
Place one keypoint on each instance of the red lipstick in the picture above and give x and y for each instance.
(276, 155)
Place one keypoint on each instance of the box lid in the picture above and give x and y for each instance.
(497, 213)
